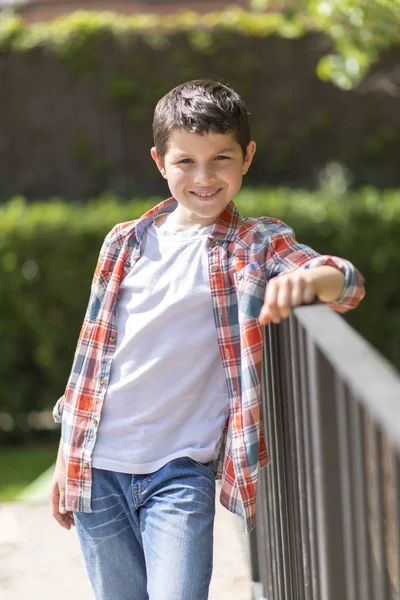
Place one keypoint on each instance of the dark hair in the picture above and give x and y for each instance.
(200, 106)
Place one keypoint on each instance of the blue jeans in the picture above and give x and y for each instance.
(150, 536)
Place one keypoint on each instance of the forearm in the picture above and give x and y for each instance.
(352, 291)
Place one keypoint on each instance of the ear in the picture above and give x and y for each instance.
(251, 149)
(159, 162)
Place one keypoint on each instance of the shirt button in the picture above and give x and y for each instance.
(95, 422)
(214, 268)
(128, 264)
(112, 339)
(239, 276)
(211, 243)
(103, 382)
(86, 466)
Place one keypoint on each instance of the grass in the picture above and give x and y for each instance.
(19, 467)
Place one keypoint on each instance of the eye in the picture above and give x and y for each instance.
(185, 161)
(221, 157)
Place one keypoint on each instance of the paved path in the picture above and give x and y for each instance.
(40, 560)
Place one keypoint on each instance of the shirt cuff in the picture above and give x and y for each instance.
(58, 409)
(352, 292)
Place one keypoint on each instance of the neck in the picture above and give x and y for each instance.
(181, 221)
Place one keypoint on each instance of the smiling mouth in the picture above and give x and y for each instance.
(206, 195)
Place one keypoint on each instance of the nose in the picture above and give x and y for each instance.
(204, 176)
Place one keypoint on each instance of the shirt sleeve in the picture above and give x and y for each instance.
(285, 254)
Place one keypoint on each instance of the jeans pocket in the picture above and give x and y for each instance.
(208, 468)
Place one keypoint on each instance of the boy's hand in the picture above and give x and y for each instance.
(57, 495)
(299, 287)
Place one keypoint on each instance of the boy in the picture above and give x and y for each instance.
(164, 393)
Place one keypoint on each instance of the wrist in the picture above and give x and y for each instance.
(327, 282)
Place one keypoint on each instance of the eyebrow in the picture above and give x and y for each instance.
(182, 153)
(225, 150)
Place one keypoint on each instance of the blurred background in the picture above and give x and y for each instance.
(77, 93)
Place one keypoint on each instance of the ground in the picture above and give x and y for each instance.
(39, 559)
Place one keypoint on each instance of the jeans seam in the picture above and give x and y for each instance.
(142, 536)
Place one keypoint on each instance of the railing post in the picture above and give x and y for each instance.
(257, 586)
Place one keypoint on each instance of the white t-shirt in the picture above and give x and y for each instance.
(167, 394)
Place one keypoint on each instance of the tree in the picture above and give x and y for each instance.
(361, 30)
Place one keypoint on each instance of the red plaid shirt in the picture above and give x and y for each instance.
(243, 255)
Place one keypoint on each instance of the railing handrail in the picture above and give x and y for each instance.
(367, 373)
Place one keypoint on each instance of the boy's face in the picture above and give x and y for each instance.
(204, 173)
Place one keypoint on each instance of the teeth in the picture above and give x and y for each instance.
(205, 195)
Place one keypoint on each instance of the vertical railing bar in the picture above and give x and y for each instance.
(278, 592)
(317, 446)
(267, 541)
(264, 494)
(347, 496)
(288, 519)
(268, 589)
(298, 407)
(282, 582)
(380, 579)
(283, 397)
(276, 582)
(262, 540)
(360, 499)
(291, 362)
(267, 415)
(271, 586)
(310, 492)
(253, 547)
(265, 490)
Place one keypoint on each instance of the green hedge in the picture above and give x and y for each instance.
(48, 252)
(71, 34)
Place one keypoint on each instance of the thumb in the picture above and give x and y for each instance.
(265, 316)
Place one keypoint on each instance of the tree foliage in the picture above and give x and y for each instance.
(361, 30)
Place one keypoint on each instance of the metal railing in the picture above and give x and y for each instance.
(328, 505)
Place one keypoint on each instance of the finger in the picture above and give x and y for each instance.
(69, 517)
(265, 315)
(308, 293)
(63, 520)
(61, 503)
(284, 297)
(54, 498)
(270, 301)
(59, 512)
(297, 292)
